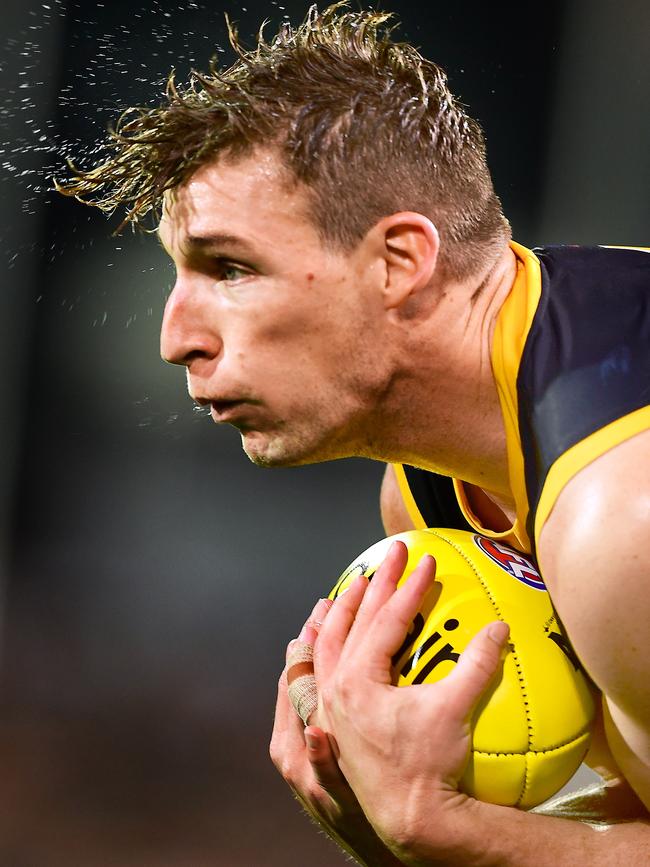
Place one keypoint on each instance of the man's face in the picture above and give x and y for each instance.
(281, 336)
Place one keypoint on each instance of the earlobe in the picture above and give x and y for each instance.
(410, 249)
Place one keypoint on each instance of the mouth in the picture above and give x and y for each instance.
(225, 410)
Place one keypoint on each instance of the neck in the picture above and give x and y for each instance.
(443, 413)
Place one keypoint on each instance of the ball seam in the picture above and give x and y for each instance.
(537, 752)
(488, 593)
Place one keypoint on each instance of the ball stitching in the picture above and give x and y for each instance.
(520, 678)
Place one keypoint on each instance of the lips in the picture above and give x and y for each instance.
(225, 410)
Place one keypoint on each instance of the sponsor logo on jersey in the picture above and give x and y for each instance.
(512, 562)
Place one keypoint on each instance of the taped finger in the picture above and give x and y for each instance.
(301, 682)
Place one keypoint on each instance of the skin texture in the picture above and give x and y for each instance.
(599, 583)
(232, 298)
(314, 354)
(305, 759)
(433, 824)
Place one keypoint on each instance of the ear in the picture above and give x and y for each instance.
(410, 245)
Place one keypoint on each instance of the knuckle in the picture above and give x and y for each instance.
(345, 687)
(275, 754)
(483, 663)
(288, 773)
(486, 659)
(327, 695)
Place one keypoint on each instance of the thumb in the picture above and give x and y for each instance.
(476, 668)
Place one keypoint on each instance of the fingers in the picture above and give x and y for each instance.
(287, 738)
(324, 764)
(335, 629)
(393, 620)
(356, 608)
(312, 625)
(374, 626)
(286, 722)
(382, 585)
(299, 670)
(476, 668)
(284, 714)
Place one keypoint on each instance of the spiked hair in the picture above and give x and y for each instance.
(366, 124)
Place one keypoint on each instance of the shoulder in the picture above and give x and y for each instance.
(605, 505)
(594, 552)
(585, 367)
(594, 549)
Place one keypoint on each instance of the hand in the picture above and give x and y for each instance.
(402, 750)
(305, 759)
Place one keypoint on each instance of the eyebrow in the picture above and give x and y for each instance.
(219, 239)
(196, 243)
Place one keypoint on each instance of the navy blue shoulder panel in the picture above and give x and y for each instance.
(586, 361)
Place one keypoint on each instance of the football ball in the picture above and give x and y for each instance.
(532, 729)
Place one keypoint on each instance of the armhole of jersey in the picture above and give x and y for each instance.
(505, 535)
(513, 536)
(409, 501)
(587, 450)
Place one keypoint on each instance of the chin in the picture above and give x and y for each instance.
(279, 452)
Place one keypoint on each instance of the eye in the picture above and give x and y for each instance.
(232, 272)
(229, 272)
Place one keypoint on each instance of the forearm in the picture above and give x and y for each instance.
(357, 839)
(485, 835)
(366, 849)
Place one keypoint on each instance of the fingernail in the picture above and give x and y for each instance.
(327, 604)
(320, 610)
(290, 647)
(498, 632)
(311, 740)
(307, 634)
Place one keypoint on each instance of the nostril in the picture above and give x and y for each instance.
(193, 355)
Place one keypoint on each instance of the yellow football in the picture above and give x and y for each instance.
(532, 729)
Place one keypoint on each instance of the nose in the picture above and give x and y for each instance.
(188, 334)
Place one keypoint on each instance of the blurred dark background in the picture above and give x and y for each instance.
(151, 576)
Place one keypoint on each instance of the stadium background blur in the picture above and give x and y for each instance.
(150, 575)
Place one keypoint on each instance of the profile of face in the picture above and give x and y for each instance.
(280, 335)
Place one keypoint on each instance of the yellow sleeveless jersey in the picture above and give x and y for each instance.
(571, 362)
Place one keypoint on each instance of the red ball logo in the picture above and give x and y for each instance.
(512, 562)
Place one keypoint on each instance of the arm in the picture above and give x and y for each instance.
(602, 803)
(610, 802)
(594, 556)
(485, 835)
(394, 515)
(304, 758)
(407, 786)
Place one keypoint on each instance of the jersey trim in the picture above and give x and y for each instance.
(511, 331)
(409, 500)
(570, 365)
(474, 521)
(583, 453)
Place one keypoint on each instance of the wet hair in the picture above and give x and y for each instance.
(365, 123)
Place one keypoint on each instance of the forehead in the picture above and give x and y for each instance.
(251, 197)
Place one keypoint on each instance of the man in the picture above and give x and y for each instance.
(346, 285)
